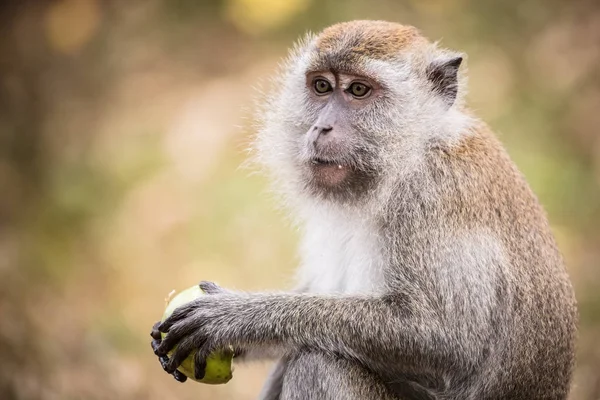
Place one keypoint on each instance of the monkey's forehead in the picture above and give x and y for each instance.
(349, 44)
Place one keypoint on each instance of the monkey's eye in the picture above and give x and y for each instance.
(359, 90)
(322, 86)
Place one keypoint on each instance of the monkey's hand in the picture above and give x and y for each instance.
(205, 325)
(164, 360)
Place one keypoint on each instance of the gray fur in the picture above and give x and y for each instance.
(442, 281)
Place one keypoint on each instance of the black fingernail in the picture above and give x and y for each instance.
(164, 361)
(180, 377)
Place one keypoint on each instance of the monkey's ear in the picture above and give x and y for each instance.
(443, 74)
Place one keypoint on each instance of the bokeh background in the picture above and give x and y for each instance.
(123, 125)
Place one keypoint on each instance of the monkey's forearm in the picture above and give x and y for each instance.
(268, 352)
(258, 353)
(372, 329)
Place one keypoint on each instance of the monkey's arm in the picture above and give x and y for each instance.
(379, 331)
(254, 352)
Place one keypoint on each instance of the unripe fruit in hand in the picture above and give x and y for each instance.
(218, 364)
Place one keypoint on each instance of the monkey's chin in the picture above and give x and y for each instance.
(330, 175)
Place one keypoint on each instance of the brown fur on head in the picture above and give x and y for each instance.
(367, 39)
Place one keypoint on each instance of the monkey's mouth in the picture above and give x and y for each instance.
(328, 172)
(323, 162)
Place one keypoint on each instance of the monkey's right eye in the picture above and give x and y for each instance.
(322, 86)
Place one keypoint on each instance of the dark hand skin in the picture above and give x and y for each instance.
(164, 360)
(161, 350)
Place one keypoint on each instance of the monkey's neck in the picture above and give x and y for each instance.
(341, 252)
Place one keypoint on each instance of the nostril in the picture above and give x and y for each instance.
(323, 129)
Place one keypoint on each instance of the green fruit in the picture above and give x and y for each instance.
(218, 364)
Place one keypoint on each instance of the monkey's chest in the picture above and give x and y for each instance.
(341, 261)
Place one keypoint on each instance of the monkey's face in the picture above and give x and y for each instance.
(334, 154)
(356, 106)
(332, 131)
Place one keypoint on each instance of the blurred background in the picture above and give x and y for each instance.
(123, 126)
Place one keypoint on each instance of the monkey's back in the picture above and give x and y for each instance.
(541, 338)
(520, 288)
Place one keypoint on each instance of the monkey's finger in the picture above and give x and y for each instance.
(155, 333)
(180, 313)
(181, 353)
(210, 287)
(164, 361)
(179, 376)
(164, 347)
(177, 333)
(155, 345)
(200, 364)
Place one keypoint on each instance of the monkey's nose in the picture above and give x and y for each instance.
(322, 129)
(318, 134)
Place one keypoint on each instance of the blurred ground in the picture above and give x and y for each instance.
(122, 129)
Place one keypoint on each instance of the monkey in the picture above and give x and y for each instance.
(428, 266)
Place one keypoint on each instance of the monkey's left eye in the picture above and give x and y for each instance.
(322, 86)
(359, 90)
